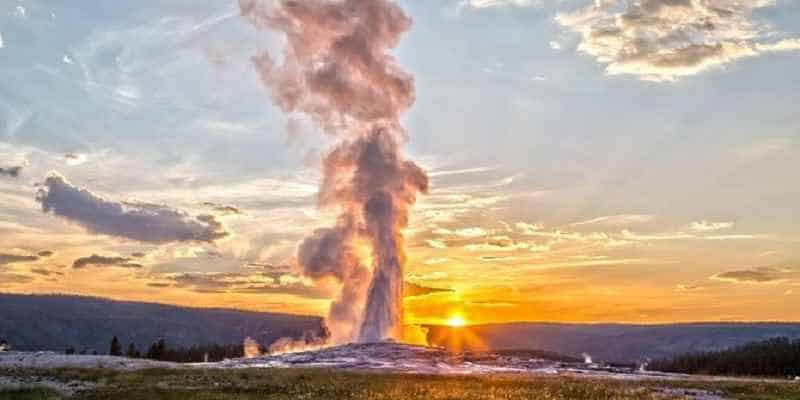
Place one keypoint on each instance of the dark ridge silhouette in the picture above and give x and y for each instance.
(59, 322)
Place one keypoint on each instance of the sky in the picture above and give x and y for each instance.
(589, 161)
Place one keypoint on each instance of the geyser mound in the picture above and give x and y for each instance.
(398, 357)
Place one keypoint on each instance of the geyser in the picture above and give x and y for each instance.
(336, 70)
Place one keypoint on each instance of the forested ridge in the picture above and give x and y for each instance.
(778, 357)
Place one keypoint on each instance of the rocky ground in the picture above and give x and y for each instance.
(48, 360)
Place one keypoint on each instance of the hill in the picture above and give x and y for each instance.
(618, 343)
(56, 322)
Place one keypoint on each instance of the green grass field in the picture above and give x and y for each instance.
(323, 384)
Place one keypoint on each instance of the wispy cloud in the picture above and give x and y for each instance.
(436, 261)
(473, 232)
(15, 258)
(242, 282)
(688, 287)
(463, 171)
(74, 159)
(616, 220)
(103, 261)
(498, 3)
(760, 275)
(455, 8)
(710, 226)
(529, 229)
(436, 244)
(7, 259)
(629, 235)
(222, 209)
(411, 289)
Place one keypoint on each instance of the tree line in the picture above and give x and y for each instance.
(159, 351)
(777, 357)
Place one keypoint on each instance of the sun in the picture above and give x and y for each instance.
(456, 321)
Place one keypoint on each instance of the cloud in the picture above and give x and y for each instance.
(414, 290)
(100, 261)
(454, 8)
(8, 259)
(20, 12)
(473, 232)
(225, 127)
(12, 172)
(436, 244)
(708, 226)
(45, 272)
(9, 278)
(760, 275)
(236, 282)
(628, 235)
(688, 287)
(428, 276)
(664, 40)
(529, 229)
(222, 209)
(614, 220)
(464, 171)
(496, 258)
(138, 221)
(41, 271)
(498, 3)
(75, 159)
(505, 244)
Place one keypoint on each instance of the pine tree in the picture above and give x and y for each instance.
(151, 352)
(157, 350)
(132, 352)
(161, 348)
(116, 348)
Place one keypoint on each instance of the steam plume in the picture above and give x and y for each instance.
(336, 69)
(251, 348)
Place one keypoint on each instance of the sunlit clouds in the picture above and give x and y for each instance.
(665, 40)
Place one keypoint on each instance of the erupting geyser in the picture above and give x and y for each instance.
(337, 70)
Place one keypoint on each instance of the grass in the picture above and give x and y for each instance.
(245, 384)
(28, 394)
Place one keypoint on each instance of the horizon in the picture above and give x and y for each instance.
(160, 152)
(437, 324)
